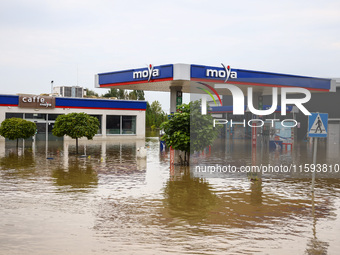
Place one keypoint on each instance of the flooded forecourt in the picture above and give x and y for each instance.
(107, 201)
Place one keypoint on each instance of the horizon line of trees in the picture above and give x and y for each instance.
(154, 115)
(119, 94)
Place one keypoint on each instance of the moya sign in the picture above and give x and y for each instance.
(226, 73)
(149, 73)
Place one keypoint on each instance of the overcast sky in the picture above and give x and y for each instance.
(69, 41)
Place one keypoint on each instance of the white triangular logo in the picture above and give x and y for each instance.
(318, 127)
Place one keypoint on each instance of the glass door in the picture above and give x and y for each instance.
(50, 136)
(41, 131)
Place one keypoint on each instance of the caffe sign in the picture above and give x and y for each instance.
(36, 102)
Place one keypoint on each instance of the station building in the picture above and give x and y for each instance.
(117, 118)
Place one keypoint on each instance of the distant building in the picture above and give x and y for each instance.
(69, 91)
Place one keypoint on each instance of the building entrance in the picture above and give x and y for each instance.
(44, 132)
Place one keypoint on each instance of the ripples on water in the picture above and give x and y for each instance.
(108, 202)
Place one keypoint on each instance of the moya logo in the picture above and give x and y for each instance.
(149, 73)
(226, 73)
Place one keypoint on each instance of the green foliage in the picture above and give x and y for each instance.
(111, 93)
(188, 129)
(76, 125)
(122, 94)
(91, 93)
(15, 128)
(140, 94)
(177, 129)
(156, 107)
(118, 93)
(132, 95)
(136, 95)
(202, 131)
(154, 115)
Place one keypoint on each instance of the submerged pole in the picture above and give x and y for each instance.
(314, 161)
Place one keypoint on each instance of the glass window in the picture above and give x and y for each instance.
(79, 92)
(41, 128)
(67, 92)
(35, 116)
(14, 115)
(53, 116)
(113, 124)
(129, 124)
(99, 117)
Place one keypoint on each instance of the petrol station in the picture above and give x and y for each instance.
(242, 97)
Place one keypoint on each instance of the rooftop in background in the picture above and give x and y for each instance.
(69, 91)
(337, 80)
(79, 103)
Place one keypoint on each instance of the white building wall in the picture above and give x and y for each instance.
(140, 118)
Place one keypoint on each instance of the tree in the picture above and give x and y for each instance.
(140, 95)
(76, 125)
(90, 93)
(133, 95)
(202, 131)
(111, 93)
(177, 131)
(15, 128)
(154, 115)
(148, 116)
(188, 130)
(136, 95)
(156, 107)
(122, 94)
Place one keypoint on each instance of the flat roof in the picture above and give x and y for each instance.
(83, 103)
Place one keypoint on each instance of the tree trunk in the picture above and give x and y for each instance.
(17, 143)
(77, 145)
(187, 158)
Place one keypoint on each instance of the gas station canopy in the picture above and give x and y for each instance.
(189, 77)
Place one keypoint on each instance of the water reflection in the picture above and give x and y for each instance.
(106, 201)
(256, 193)
(17, 160)
(315, 246)
(188, 198)
(240, 153)
(79, 174)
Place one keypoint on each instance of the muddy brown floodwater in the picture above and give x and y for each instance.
(108, 202)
